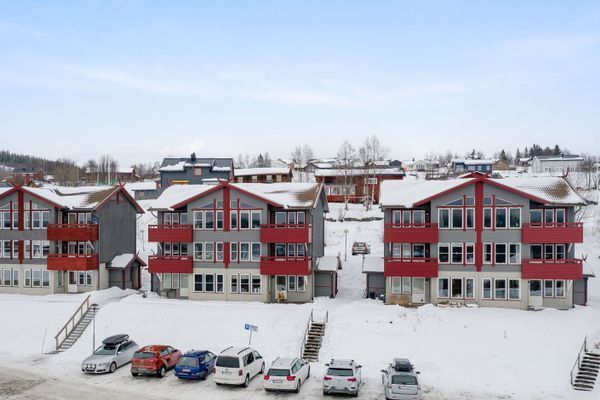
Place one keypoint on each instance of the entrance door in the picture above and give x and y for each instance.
(280, 288)
(72, 284)
(536, 301)
(418, 290)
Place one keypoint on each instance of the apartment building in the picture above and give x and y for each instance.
(492, 242)
(263, 175)
(67, 239)
(240, 241)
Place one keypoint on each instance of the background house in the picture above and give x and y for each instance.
(193, 170)
(556, 164)
(263, 175)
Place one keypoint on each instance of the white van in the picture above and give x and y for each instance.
(237, 365)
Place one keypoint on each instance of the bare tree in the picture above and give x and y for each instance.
(346, 158)
(90, 168)
(301, 155)
(370, 153)
(66, 172)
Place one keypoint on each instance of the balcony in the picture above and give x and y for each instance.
(568, 232)
(285, 265)
(410, 233)
(72, 262)
(73, 232)
(552, 269)
(170, 233)
(170, 264)
(415, 267)
(285, 233)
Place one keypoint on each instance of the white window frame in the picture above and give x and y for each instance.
(483, 282)
(518, 288)
(496, 253)
(396, 285)
(232, 278)
(564, 289)
(472, 295)
(462, 253)
(466, 253)
(438, 288)
(505, 288)
(447, 246)
(440, 210)
(462, 288)
(301, 278)
(551, 281)
(518, 253)
(509, 224)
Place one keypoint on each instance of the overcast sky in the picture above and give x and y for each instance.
(142, 80)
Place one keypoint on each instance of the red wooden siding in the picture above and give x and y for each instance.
(415, 267)
(170, 233)
(570, 232)
(73, 232)
(285, 265)
(410, 233)
(170, 264)
(285, 233)
(552, 269)
(72, 262)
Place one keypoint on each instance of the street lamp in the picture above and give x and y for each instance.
(346, 244)
(94, 308)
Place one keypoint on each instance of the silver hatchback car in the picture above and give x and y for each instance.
(115, 352)
(400, 381)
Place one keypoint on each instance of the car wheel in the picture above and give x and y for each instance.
(247, 381)
(218, 383)
(262, 368)
(113, 367)
(134, 374)
(162, 372)
(308, 375)
(297, 390)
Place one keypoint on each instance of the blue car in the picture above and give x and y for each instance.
(195, 364)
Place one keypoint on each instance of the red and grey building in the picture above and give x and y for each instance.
(477, 240)
(68, 239)
(240, 241)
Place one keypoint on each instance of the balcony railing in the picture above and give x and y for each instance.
(415, 267)
(170, 233)
(72, 262)
(565, 232)
(285, 265)
(170, 264)
(285, 233)
(569, 268)
(411, 233)
(72, 232)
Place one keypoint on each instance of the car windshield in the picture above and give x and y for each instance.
(105, 351)
(339, 372)
(404, 380)
(228, 362)
(188, 362)
(278, 372)
(144, 355)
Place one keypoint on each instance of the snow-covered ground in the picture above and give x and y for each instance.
(466, 353)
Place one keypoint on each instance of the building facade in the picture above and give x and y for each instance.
(67, 240)
(263, 175)
(230, 241)
(462, 165)
(492, 242)
(561, 164)
(195, 171)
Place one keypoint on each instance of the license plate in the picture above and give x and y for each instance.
(277, 381)
(186, 370)
(226, 373)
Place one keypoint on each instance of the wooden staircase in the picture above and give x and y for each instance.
(586, 368)
(315, 330)
(68, 335)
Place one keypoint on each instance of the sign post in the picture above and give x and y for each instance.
(251, 328)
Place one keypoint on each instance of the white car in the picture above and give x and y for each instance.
(343, 376)
(286, 374)
(237, 365)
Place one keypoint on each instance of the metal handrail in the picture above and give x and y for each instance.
(552, 224)
(285, 226)
(170, 226)
(419, 225)
(326, 316)
(577, 364)
(552, 261)
(80, 310)
(310, 320)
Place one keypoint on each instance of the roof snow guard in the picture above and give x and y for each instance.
(544, 190)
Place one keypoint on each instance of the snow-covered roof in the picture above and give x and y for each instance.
(554, 190)
(261, 171)
(222, 169)
(122, 261)
(180, 164)
(142, 185)
(175, 194)
(359, 171)
(125, 170)
(565, 157)
(80, 197)
(470, 161)
(373, 264)
(328, 263)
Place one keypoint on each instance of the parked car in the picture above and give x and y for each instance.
(237, 365)
(154, 360)
(400, 381)
(115, 352)
(195, 364)
(343, 376)
(286, 374)
(360, 248)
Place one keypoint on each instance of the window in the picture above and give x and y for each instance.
(501, 218)
(256, 284)
(279, 250)
(470, 217)
(560, 252)
(457, 253)
(209, 283)
(514, 253)
(548, 252)
(233, 284)
(406, 217)
(219, 251)
(291, 283)
(457, 218)
(300, 250)
(6, 249)
(280, 218)
(418, 250)
(220, 220)
(6, 277)
(499, 289)
(406, 250)
(548, 216)
(198, 219)
(255, 219)
(536, 251)
(444, 252)
(515, 217)
(418, 217)
(198, 251)
(233, 220)
(560, 217)
(396, 285)
(255, 251)
(396, 250)
(209, 219)
(244, 283)
(175, 281)
(514, 289)
(27, 282)
(234, 252)
(301, 283)
(549, 288)
(486, 291)
(457, 288)
(209, 251)
(406, 284)
(15, 278)
(244, 219)
(60, 278)
(244, 251)
(37, 278)
(443, 290)
(535, 217)
(500, 253)
(301, 218)
(559, 288)
(220, 288)
(470, 253)
(443, 218)
(469, 288)
(487, 218)
(198, 282)
(88, 278)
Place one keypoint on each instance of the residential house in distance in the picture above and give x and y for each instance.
(561, 164)
(500, 165)
(127, 174)
(492, 242)
(67, 239)
(466, 165)
(24, 176)
(240, 241)
(263, 175)
(195, 171)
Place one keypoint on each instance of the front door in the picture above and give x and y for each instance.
(72, 284)
(418, 290)
(183, 288)
(536, 301)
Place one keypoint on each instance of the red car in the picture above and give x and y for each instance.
(154, 360)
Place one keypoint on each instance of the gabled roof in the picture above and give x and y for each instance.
(122, 261)
(545, 190)
(262, 171)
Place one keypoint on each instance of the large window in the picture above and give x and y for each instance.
(514, 253)
(457, 288)
(457, 218)
(443, 288)
(486, 289)
(443, 253)
(501, 218)
(500, 256)
(500, 289)
(457, 253)
(444, 218)
(514, 289)
(205, 220)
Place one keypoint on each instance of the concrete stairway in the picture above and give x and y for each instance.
(79, 328)
(585, 371)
